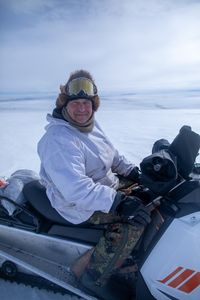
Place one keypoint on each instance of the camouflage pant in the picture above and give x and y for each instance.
(113, 248)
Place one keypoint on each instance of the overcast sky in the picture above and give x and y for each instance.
(126, 45)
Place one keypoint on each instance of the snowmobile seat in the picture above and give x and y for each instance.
(54, 223)
(35, 194)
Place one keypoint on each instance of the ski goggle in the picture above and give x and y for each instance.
(81, 87)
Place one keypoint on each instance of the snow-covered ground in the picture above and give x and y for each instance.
(133, 123)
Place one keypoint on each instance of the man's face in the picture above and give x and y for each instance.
(80, 110)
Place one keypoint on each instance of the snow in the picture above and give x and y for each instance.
(133, 123)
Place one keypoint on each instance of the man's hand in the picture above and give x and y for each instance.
(132, 208)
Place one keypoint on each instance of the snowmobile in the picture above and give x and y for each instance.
(38, 246)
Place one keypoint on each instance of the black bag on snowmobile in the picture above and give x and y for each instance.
(160, 170)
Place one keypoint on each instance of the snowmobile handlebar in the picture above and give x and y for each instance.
(155, 203)
(159, 199)
(149, 208)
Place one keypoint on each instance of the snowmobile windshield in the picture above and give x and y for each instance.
(185, 147)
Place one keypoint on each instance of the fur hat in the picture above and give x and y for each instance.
(63, 98)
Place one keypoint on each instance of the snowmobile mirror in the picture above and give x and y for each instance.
(160, 145)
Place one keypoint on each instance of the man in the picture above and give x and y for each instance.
(80, 168)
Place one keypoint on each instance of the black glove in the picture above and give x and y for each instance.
(134, 174)
(130, 206)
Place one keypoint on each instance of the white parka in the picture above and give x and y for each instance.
(78, 169)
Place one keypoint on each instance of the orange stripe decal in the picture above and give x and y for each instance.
(171, 275)
(179, 279)
(191, 284)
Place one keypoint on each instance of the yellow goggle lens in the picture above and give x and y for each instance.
(80, 85)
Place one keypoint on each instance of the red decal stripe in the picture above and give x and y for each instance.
(191, 284)
(171, 275)
(180, 278)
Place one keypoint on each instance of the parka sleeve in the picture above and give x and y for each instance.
(121, 165)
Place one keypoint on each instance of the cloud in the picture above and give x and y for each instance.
(125, 44)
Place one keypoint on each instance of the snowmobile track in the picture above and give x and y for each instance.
(52, 276)
(38, 282)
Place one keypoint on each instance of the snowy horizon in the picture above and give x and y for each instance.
(133, 122)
